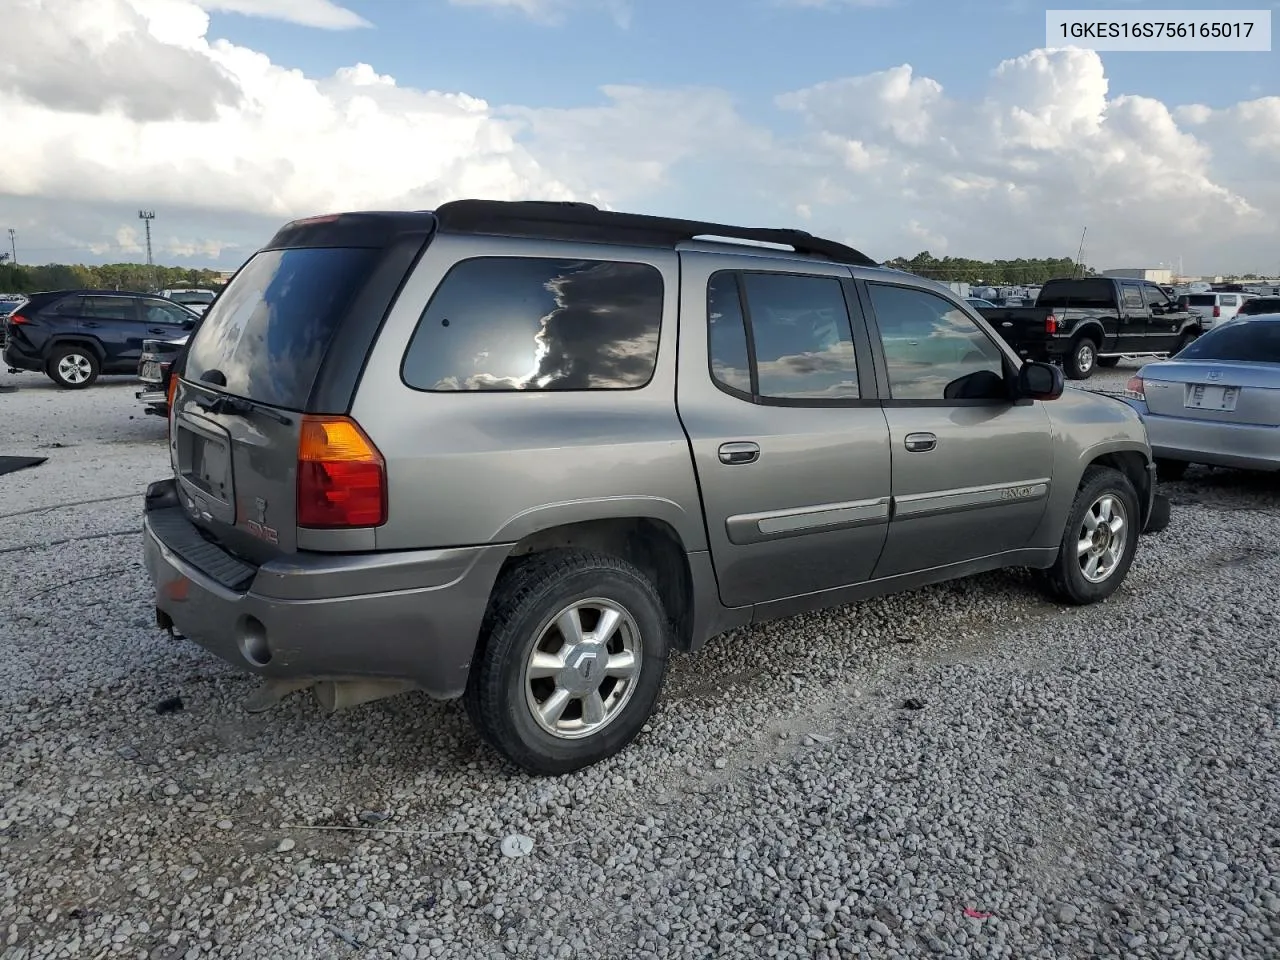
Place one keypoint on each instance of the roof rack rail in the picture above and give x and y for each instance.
(554, 220)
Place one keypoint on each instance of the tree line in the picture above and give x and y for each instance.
(20, 278)
(989, 272)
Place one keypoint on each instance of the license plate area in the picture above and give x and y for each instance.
(1200, 396)
(204, 462)
(150, 370)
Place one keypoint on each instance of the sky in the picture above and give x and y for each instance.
(896, 126)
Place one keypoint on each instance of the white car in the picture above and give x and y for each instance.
(192, 298)
(1215, 308)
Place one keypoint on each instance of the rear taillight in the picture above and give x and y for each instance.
(16, 318)
(1135, 389)
(1051, 324)
(342, 478)
(170, 392)
(1217, 310)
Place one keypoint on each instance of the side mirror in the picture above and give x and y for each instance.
(1040, 381)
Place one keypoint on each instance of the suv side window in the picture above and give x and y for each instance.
(109, 308)
(931, 346)
(156, 311)
(1132, 296)
(535, 323)
(69, 307)
(793, 340)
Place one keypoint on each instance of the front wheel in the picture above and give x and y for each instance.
(1100, 539)
(575, 647)
(1082, 359)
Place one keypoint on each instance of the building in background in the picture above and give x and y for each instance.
(1159, 275)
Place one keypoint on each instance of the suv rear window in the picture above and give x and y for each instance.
(1077, 293)
(535, 323)
(1202, 299)
(269, 331)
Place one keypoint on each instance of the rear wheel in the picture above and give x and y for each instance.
(1171, 470)
(1100, 539)
(72, 368)
(575, 647)
(1082, 359)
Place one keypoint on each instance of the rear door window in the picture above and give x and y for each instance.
(269, 331)
(535, 323)
(801, 340)
(109, 308)
(1132, 296)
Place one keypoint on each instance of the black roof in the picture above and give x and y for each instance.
(588, 223)
(548, 220)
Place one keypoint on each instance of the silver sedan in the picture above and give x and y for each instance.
(1216, 402)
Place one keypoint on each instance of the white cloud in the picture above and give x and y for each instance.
(1045, 152)
(324, 14)
(226, 144)
(554, 11)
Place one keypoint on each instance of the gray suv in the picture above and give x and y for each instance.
(519, 453)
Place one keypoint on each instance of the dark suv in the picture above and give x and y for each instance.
(75, 335)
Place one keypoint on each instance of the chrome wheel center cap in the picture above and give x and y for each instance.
(584, 666)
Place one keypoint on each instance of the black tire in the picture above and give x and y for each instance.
(64, 360)
(1108, 362)
(1066, 577)
(1171, 470)
(524, 604)
(1083, 358)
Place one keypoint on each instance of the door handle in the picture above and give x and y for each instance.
(740, 451)
(156, 330)
(92, 323)
(920, 442)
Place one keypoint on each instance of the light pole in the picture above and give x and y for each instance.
(146, 216)
(13, 246)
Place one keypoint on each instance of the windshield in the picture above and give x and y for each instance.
(1257, 341)
(269, 331)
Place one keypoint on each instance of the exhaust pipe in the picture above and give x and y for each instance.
(334, 695)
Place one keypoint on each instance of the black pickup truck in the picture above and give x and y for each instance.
(1094, 321)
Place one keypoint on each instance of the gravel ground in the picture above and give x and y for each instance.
(1062, 782)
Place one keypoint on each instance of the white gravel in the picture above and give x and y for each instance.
(1082, 782)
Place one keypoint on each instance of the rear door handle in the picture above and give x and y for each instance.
(156, 330)
(740, 451)
(920, 442)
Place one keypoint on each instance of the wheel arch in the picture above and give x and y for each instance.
(1134, 464)
(60, 340)
(651, 543)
